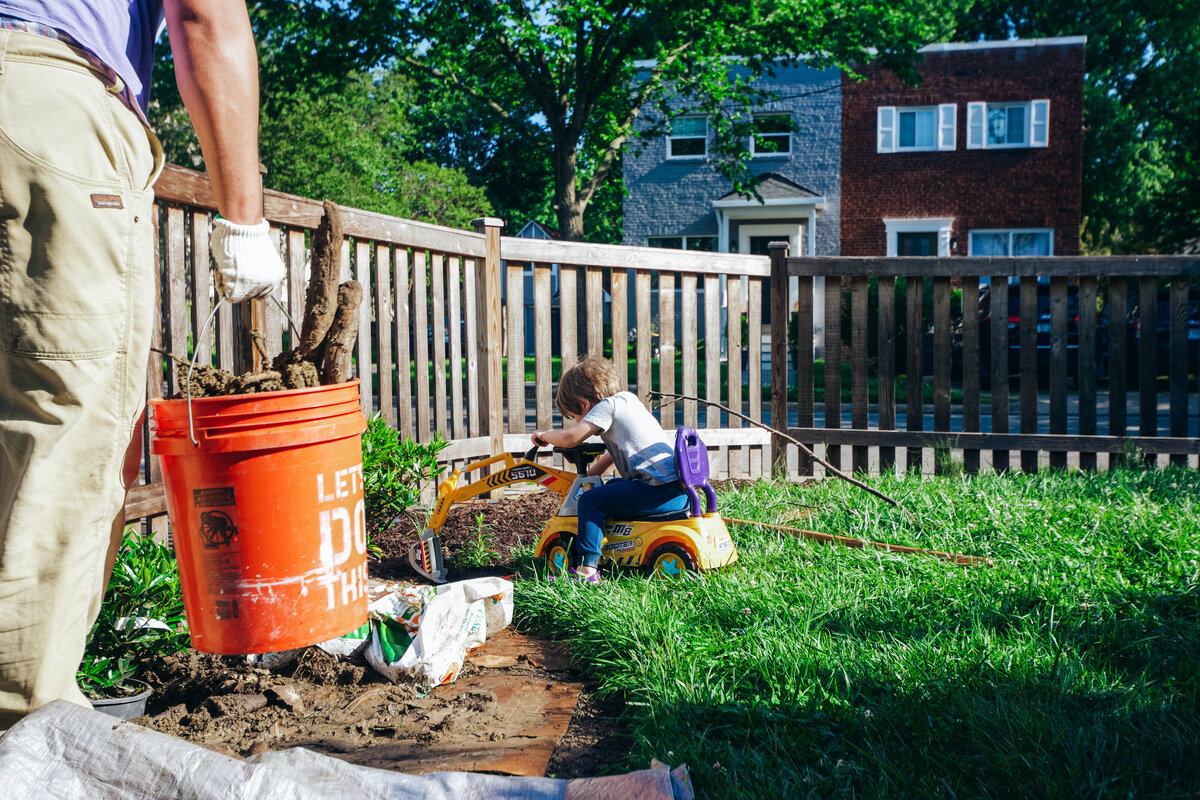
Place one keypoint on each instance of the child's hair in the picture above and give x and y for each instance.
(592, 379)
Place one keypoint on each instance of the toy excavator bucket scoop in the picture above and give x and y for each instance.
(425, 556)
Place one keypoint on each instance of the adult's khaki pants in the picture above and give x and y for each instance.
(76, 303)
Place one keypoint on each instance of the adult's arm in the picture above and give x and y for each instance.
(216, 69)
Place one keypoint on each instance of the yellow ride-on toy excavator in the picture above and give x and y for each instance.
(666, 545)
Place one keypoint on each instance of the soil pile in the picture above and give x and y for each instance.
(344, 708)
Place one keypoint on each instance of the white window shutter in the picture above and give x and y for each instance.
(885, 129)
(947, 124)
(1039, 123)
(976, 125)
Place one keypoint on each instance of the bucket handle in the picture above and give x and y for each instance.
(203, 329)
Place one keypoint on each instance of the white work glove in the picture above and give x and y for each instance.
(248, 265)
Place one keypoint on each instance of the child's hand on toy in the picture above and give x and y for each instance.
(538, 440)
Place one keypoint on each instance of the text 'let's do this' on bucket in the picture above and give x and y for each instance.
(267, 514)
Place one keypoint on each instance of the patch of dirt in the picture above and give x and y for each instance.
(345, 709)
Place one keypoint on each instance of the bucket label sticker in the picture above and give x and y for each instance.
(220, 548)
(342, 523)
(220, 497)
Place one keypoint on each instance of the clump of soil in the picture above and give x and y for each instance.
(329, 328)
(342, 707)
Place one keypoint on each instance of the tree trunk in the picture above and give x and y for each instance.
(568, 205)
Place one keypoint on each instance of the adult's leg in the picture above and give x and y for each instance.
(76, 303)
(628, 500)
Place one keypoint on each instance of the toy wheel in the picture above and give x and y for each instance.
(558, 554)
(670, 561)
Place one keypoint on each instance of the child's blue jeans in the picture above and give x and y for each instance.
(622, 500)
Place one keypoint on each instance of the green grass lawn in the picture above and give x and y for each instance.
(1070, 668)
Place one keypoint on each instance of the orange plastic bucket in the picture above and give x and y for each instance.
(267, 515)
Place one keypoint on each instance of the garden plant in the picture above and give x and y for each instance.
(141, 620)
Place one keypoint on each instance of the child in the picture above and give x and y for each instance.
(590, 393)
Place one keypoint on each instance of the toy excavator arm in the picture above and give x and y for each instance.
(426, 555)
(525, 470)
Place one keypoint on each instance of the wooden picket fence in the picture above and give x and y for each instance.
(442, 345)
(1065, 362)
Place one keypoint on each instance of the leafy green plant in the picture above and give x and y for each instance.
(480, 550)
(141, 619)
(395, 470)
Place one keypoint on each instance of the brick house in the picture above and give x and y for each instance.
(984, 157)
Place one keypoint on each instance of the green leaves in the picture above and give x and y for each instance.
(395, 470)
(141, 618)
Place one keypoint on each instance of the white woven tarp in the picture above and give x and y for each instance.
(67, 752)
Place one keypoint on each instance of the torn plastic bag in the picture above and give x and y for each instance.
(421, 635)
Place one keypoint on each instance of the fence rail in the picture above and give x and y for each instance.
(464, 333)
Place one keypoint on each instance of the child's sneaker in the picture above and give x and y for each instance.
(593, 579)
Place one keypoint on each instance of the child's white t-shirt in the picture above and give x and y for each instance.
(639, 447)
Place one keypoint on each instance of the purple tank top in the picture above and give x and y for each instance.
(120, 32)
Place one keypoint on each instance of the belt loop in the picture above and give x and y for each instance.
(4, 36)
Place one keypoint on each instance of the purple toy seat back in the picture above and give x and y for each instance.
(691, 462)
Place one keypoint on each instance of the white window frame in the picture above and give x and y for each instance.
(1037, 125)
(754, 153)
(887, 128)
(1011, 233)
(939, 225)
(672, 138)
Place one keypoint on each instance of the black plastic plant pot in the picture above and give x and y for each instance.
(133, 705)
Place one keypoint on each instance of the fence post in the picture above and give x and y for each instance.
(487, 314)
(779, 379)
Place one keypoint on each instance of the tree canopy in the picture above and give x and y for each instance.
(571, 77)
(1141, 170)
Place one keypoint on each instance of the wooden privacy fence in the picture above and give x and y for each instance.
(1051, 358)
(443, 347)
(442, 318)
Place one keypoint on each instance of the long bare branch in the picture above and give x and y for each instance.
(828, 467)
